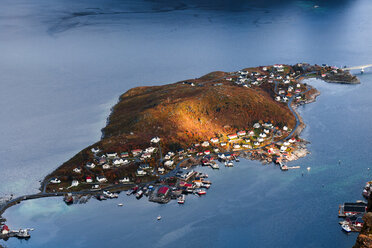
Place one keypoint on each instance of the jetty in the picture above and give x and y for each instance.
(359, 67)
(352, 208)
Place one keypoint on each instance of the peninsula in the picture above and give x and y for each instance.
(155, 135)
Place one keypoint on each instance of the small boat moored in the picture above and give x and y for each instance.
(181, 199)
(23, 234)
(201, 192)
(346, 227)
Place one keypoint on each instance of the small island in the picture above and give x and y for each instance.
(156, 135)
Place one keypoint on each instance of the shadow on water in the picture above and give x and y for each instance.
(121, 9)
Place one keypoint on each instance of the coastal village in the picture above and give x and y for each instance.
(160, 174)
(353, 213)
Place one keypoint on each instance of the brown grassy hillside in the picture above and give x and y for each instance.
(182, 114)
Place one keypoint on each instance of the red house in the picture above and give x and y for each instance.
(163, 191)
(5, 229)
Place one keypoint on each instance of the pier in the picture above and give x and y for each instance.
(360, 67)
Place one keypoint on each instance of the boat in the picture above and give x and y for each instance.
(346, 228)
(206, 185)
(308, 168)
(181, 199)
(23, 234)
(68, 199)
(139, 194)
(215, 166)
(201, 192)
(230, 164)
(159, 217)
(237, 159)
(120, 204)
(100, 197)
(362, 71)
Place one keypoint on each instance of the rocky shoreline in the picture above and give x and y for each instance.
(192, 125)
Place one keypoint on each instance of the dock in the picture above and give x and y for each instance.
(352, 208)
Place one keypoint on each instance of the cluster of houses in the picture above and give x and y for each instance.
(285, 83)
(111, 160)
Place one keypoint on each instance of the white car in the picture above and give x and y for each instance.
(55, 180)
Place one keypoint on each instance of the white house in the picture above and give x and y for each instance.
(168, 163)
(286, 143)
(124, 180)
(106, 166)
(91, 165)
(155, 140)
(141, 172)
(101, 179)
(283, 148)
(205, 144)
(161, 170)
(55, 180)
(118, 161)
(266, 131)
(260, 139)
(150, 149)
(112, 155)
(214, 140)
(251, 133)
(236, 146)
(207, 152)
(146, 155)
(263, 135)
(277, 98)
(256, 143)
(216, 149)
(256, 125)
(95, 150)
(77, 170)
(74, 183)
(223, 144)
(285, 128)
(89, 179)
(298, 85)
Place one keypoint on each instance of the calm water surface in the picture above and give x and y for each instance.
(64, 64)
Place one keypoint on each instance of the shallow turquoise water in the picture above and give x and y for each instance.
(73, 68)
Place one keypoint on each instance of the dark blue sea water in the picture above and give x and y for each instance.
(64, 63)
